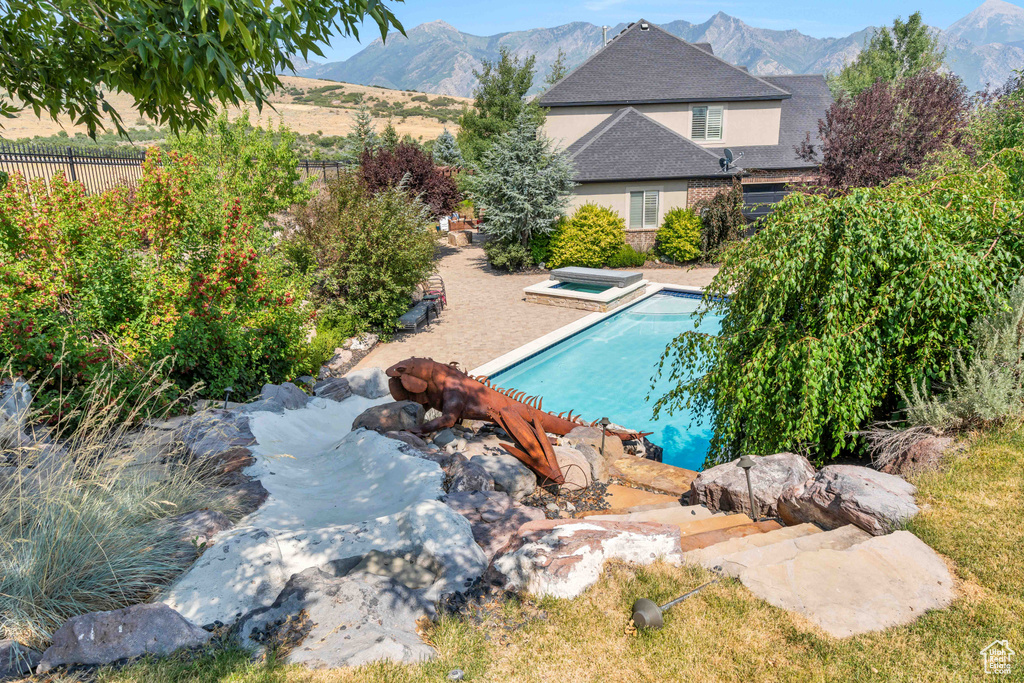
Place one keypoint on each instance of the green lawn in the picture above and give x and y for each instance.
(973, 514)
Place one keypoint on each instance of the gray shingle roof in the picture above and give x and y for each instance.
(651, 65)
(800, 113)
(631, 146)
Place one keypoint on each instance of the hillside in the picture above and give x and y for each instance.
(436, 56)
(306, 105)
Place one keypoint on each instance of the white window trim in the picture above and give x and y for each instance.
(723, 106)
(660, 189)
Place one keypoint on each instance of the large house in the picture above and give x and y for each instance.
(647, 119)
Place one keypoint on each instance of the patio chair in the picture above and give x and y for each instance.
(434, 290)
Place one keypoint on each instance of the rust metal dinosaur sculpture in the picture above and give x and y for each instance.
(460, 396)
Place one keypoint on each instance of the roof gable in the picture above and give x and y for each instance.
(632, 146)
(643, 65)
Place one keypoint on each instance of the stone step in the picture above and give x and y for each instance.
(881, 582)
(623, 499)
(680, 514)
(709, 538)
(711, 556)
(675, 481)
(838, 539)
(713, 523)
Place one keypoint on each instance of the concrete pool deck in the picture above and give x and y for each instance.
(488, 315)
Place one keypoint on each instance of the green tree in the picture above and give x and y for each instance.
(998, 123)
(389, 138)
(905, 49)
(499, 99)
(364, 136)
(523, 183)
(180, 61)
(446, 150)
(558, 69)
(840, 301)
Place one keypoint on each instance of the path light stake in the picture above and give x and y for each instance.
(746, 462)
(227, 392)
(604, 425)
(647, 613)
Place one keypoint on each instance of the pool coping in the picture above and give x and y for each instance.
(553, 288)
(540, 343)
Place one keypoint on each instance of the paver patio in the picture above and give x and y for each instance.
(487, 314)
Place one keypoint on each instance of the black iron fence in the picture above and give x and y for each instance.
(101, 169)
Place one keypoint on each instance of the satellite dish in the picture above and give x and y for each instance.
(726, 161)
(728, 156)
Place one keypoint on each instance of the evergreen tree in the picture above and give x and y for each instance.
(558, 69)
(907, 49)
(365, 135)
(498, 100)
(523, 183)
(446, 150)
(389, 138)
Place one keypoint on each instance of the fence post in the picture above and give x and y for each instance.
(71, 163)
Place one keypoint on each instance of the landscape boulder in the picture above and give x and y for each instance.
(397, 416)
(361, 342)
(338, 365)
(245, 497)
(369, 383)
(331, 618)
(923, 454)
(847, 494)
(494, 516)
(105, 637)
(724, 487)
(16, 660)
(575, 469)
(599, 470)
(277, 398)
(333, 389)
(197, 527)
(469, 476)
(508, 473)
(407, 438)
(613, 448)
(210, 433)
(561, 558)
(444, 437)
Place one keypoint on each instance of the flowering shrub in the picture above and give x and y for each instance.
(122, 279)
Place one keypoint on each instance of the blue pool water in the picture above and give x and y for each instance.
(606, 370)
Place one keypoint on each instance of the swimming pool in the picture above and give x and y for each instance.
(606, 370)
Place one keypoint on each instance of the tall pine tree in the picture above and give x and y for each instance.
(364, 136)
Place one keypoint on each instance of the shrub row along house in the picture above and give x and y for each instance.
(648, 117)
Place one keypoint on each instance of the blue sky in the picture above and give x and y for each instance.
(820, 18)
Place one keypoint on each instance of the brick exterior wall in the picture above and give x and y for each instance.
(706, 188)
(641, 240)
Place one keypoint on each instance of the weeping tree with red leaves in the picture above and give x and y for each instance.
(415, 170)
(889, 130)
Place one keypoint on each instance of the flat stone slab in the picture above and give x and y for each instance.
(837, 539)
(561, 558)
(624, 499)
(709, 538)
(884, 581)
(674, 481)
(712, 555)
(678, 515)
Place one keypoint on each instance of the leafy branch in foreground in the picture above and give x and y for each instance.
(177, 60)
(839, 301)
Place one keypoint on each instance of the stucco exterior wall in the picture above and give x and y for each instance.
(743, 123)
(672, 193)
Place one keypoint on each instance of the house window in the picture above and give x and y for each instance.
(643, 209)
(707, 123)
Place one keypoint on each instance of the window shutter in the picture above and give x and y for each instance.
(636, 209)
(700, 123)
(651, 209)
(714, 123)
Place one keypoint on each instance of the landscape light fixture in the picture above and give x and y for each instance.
(647, 613)
(604, 427)
(227, 392)
(746, 462)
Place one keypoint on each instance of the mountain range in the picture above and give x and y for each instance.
(984, 48)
